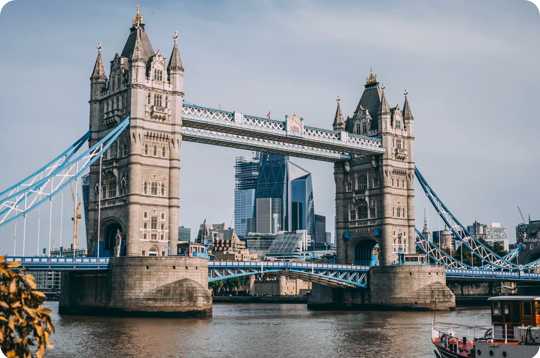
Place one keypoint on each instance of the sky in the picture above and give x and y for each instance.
(470, 67)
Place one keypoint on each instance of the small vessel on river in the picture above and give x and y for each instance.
(514, 332)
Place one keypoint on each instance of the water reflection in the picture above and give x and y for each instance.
(255, 330)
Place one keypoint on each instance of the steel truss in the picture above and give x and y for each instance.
(437, 255)
(200, 135)
(491, 259)
(339, 276)
(44, 184)
(256, 133)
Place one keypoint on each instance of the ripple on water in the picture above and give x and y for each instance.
(255, 330)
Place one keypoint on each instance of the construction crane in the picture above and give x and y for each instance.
(520, 213)
(76, 218)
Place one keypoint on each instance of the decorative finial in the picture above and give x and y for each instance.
(138, 20)
(99, 47)
(406, 92)
(175, 37)
(372, 78)
(338, 99)
(294, 115)
(383, 86)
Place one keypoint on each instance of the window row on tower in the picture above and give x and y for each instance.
(400, 243)
(157, 99)
(118, 149)
(155, 150)
(155, 228)
(398, 182)
(154, 188)
(399, 212)
(363, 211)
(110, 188)
(114, 102)
(362, 182)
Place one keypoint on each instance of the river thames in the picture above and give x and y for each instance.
(256, 330)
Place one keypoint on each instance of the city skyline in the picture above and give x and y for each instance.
(444, 113)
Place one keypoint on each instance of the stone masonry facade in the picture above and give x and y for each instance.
(375, 194)
(139, 172)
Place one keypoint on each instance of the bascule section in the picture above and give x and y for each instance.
(133, 198)
(375, 193)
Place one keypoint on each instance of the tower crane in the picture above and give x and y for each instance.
(520, 213)
(76, 218)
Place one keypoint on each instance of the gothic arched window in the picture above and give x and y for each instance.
(363, 211)
(114, 150)
(146, 149)
(356, 128)
(162, 189)
(154, 190)
(375, 181)
(362, 182)
(155, 150)
(364, 128)
(123, 187)
(163, 152)
(145, 188)
(112, 188)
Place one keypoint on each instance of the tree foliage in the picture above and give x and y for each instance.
(23, 321)
(229, 284)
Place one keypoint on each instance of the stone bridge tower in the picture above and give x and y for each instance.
(140, 172)
(375, 194)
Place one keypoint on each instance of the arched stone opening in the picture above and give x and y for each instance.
(533, 256)
(366, 252)
(108, 242)
(154, 251)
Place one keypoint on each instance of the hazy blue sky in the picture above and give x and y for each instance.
(471, 69)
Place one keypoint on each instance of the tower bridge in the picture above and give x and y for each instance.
(138, 121)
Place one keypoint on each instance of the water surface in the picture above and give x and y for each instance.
(255, 330)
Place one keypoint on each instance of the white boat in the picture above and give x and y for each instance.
(514, 332)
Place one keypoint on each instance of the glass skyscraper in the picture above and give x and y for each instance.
(272, 194)
(273, 184)
(246, 177)
(302, 210)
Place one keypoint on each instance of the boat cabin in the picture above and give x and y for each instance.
(510, 312)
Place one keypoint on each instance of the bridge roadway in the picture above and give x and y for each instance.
(339, 276)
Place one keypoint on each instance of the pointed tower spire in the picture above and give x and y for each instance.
(138, 46)
(99, 70)
(339, 123)
(175, 63)
(407, 114)
(384, 115)
(384, 108)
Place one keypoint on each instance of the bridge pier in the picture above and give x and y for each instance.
(419, 287)
(140, 286)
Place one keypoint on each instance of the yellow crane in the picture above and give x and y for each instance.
(75, 219)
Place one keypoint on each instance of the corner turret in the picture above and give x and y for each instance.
(99, 77)
(384, 113)
(339, 123)
(175, 68)
(407, 115)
